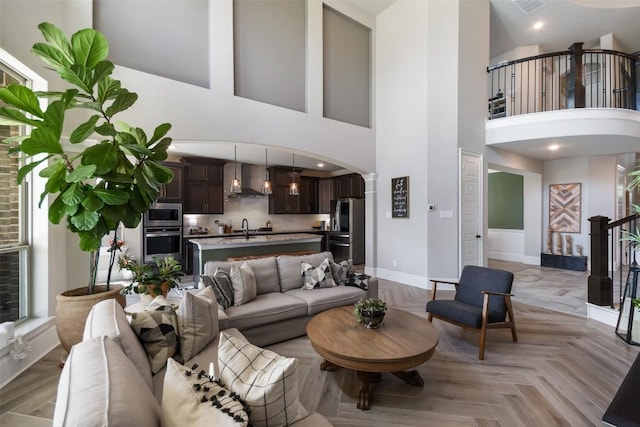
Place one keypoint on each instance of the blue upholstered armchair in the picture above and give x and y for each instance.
(482, 301)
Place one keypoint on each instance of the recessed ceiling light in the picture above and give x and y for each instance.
(538, 25)
(554, 147)
(320, 165)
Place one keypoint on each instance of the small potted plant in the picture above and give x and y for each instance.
(151, 280)
(370, 312)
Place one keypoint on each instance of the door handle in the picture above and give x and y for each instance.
(478, 236)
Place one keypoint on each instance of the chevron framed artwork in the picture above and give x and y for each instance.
(565, 207)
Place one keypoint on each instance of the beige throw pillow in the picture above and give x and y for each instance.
(197, 322)
(243, 280)
(107, 318)
(193, 400)
(264, 379)
(99, 386)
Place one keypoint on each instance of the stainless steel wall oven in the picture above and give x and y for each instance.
(162, 231)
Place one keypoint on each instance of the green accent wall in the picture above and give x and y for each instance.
(506, 201)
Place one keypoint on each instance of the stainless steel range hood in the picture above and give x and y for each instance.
(248, 190)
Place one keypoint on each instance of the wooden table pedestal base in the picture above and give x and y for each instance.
(366, 378)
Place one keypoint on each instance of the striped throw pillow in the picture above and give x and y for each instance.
(220, 282)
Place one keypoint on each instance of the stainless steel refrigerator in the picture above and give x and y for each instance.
(346, 238)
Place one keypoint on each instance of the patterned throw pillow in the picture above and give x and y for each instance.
(341, 272)
(220, 282)
(243, 280)
(190, 398)
(317, 277)
(197, 322)
(156, 331)
(359, 280)
(264, 379)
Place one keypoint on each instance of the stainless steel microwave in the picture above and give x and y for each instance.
(163, 215)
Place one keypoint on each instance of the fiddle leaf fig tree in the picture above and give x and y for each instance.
(108, 172)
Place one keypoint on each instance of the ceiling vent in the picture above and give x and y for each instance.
(528, 6)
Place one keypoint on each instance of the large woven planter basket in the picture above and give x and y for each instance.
(73, 308)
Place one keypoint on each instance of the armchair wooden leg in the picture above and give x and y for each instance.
(430, 317)
(483, 330)
(511, 318)
(483, 340)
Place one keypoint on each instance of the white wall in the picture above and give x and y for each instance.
(402, 138)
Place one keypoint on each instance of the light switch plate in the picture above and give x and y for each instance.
(446, 214)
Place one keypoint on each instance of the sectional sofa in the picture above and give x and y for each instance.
(112, 377)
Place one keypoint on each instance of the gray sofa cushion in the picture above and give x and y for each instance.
(265, 309)
(290, 272)
(323, 299)
(265, 269)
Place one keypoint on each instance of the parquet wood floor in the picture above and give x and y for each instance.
(563, 371)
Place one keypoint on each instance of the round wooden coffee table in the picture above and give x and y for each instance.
(404, 341)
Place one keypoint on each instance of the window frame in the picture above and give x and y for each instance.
(26, 200)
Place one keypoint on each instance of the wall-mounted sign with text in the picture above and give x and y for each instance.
(400, 197)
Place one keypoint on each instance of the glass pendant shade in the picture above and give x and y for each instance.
(236, 186)
(294, 184)
(266, 185)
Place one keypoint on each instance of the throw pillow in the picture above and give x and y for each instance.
(190, 398)
(264, 379)
(197, 322)
(317, 277)
(359, 280)
(220, 282)
(156, 330)
(341, 271)
(243, 280)
(108, 318)
(158, 301)
(97, 385)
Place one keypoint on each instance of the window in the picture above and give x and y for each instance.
(14, 248)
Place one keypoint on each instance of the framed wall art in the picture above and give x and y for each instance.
(400, 197)
(565, 208)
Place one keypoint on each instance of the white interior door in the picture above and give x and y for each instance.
(471, 218)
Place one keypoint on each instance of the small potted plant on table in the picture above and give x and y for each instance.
(151, 280)
(370, 312)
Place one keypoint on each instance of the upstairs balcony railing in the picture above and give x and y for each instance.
(577, 78)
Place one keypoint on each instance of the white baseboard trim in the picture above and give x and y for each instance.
(410, 279)
(42, 339)
(606, 315)
(531, 260)
(505, 256)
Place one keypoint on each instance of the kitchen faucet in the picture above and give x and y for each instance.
(245, 229)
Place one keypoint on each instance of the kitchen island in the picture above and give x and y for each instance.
(222, 248)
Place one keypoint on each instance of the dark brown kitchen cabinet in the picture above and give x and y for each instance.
(173, 191)
(325, 195)
(280, 202)
(308, 195)
(204, 189)
(349, 186)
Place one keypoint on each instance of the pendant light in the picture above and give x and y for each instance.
(236, 187)
(295, 179)
(266, 185)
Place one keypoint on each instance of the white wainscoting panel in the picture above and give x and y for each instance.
(506, 245)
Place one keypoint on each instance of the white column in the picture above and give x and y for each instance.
(371, 223)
